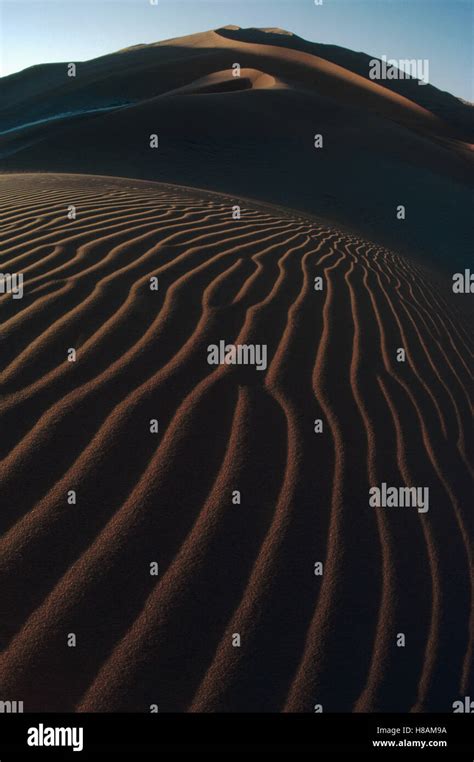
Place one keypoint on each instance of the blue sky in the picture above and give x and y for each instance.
(40, 31)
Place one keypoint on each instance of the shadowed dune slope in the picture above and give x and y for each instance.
(232, 492)
(143, 71)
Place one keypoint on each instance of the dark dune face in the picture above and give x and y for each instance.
(227, 566)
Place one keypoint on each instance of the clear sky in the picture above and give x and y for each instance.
(40, 31)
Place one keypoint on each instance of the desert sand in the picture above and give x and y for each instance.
(122, 449)
(225, 568)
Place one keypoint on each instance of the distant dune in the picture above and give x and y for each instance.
(385, 143)
(225, 567)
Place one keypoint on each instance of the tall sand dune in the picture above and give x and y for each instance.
(386, 142)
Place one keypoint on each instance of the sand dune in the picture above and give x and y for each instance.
(386, 142)
(225, 568)
(224, 81)
(133, 73)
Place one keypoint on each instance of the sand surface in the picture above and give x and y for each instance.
(225, 568)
